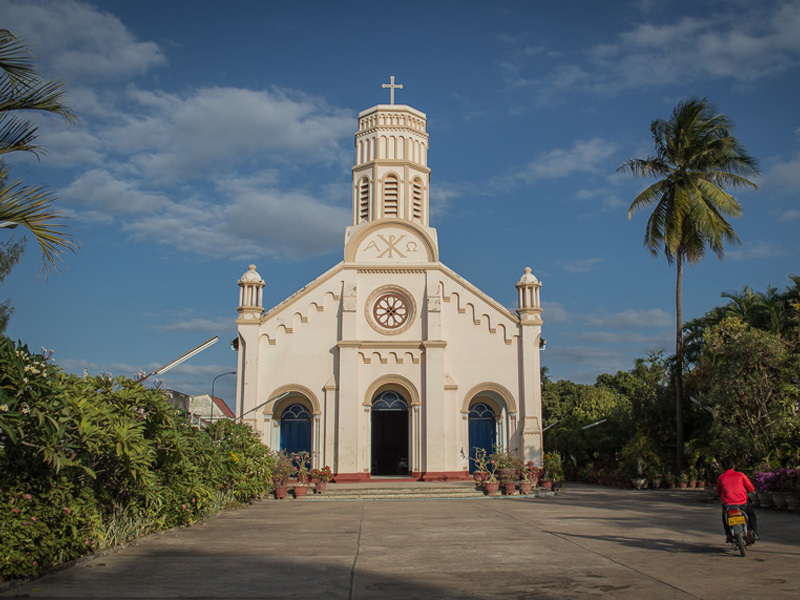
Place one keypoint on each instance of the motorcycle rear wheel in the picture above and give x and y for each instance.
(740, 543)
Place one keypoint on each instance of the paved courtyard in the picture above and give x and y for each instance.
(587, 542)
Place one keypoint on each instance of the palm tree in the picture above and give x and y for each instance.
(22, 89)
(696, 157)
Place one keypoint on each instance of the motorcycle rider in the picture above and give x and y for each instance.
(732, 487)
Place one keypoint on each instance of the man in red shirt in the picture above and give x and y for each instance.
(732, 488)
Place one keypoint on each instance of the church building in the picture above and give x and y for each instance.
(390, 363)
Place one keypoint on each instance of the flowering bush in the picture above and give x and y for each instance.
(530, 472)
(301, 462)
(485, 463)
(324, 474)
(780, 480)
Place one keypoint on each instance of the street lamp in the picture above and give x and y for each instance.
(213, 383)
(182, 358)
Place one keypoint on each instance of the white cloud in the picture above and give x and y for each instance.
(580, 266)
(584, 156)
(79, 42)
(790, 215)
(785, 176)
(555, 312)
(632, 319)
(756, 251)
(170, 137)
(100, 190)
(199, 324)
(742, 45)
(608, 338)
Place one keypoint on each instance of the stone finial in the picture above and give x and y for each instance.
(529, 308)
(527, 277)
(250, 287)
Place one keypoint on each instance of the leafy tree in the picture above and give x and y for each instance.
(696, 158)
(569, 407)
(749, 377)
(23, 89)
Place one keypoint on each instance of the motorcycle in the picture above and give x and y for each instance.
(741, 535)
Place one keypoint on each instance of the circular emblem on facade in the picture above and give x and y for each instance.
(391, 311)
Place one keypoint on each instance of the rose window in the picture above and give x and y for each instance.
(391, 311)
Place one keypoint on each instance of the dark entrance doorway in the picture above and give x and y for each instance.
(482, 431)
(389, 434)
(296, 429)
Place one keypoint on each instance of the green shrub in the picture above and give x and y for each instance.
(87, 463)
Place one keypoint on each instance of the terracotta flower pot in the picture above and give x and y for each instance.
(281, 491)
(320, 487)
(300, 491)
(509, 487)
(480, 477)
(525, 487)
(547, 484)
(491, 488)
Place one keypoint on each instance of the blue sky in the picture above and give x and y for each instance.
(214, 135)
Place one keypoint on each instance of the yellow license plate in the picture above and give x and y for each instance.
(735, 520)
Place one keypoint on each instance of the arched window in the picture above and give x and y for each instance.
(416, 200)
(389, 400)
(390, 196)
(363, 200)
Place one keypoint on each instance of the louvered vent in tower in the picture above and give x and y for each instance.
(390, 204)
(363, 200)
(416, 203)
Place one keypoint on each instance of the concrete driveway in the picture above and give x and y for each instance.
(587, 542)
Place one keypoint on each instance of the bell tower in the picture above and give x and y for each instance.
(391, 175)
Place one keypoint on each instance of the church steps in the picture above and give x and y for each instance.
(406, 491)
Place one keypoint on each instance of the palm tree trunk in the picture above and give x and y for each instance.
(679, 455)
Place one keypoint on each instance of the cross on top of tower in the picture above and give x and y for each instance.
(392, 87)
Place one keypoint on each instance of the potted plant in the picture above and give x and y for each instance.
(491, 485)
(508, 464)
(692, 475)
(281, 472)
(322, 476)
(683, 480)
(508, 482)
(481, 460)
(654, 477)
(529, 477)
(300, 461)
(553, 470)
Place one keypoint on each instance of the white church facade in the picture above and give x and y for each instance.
(391, 364)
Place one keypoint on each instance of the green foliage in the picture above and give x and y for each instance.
(575, 406)
(22, 89)
(749, 379)
(553, 467)
(245, 463)
(87, 463)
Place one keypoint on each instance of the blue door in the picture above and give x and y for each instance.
(482, 431)
(296, 429)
